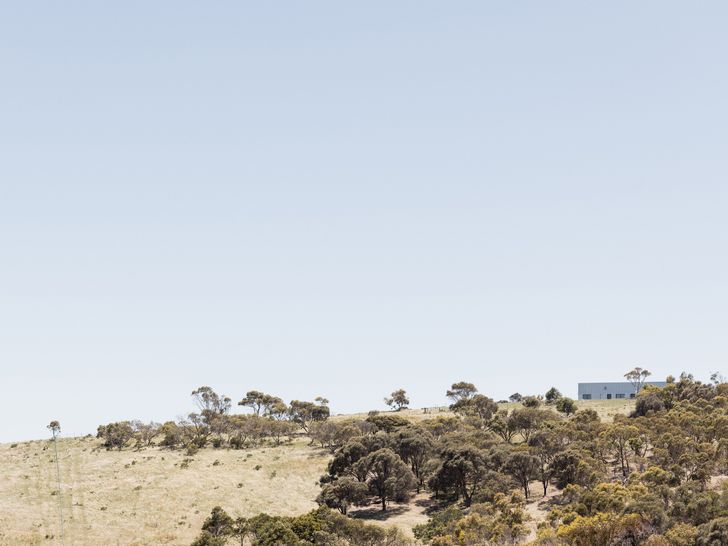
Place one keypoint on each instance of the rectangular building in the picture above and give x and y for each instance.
(610, 391)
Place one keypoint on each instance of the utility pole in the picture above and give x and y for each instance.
(55, 428)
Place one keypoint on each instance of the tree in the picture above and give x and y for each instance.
(515, 397)
(598, 530)
(206, 539)
(527, 420)
(55, 428)
(415, 447)
(345, 459)
(388, 423)
(617, 440)
(566, 406)
(552, 395)
(482, 407)
(272, 531)
(531, 401)
(115, 435)
(219, 523)
(213, 411)
(575, 466)
(489, 523)
(306, 413)
(264, 404)
(649, 399)
(216, 529)
(461, 391)
(208, 401)
(682, 534)
(342, 493)
(478, 406)
(333, 435)
(523, 467)
(545, 446)
(241, 530)
(387, 475)
(144, 433)
(504, 424)
(255, 400)
(277, 429)
(637, 377)
(398, 400)
(199, 429)
(171, 434)
(464, 469)
(276, 409)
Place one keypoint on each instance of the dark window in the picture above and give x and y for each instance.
(609, 397)
(586, 396)
(632, 395)
(619, 395)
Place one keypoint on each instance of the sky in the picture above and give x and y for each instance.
(343, 199)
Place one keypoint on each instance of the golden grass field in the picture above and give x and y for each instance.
(147, 497)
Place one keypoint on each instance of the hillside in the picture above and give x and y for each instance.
(160, 496)
(148, 497)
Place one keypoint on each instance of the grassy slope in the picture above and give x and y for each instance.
(147, 498)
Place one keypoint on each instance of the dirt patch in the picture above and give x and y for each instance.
(537, 508)
(402, 516)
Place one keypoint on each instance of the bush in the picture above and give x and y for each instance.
(388, 423)
(115, 435)
(566, 406)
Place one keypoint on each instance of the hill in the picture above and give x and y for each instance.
(158, 496)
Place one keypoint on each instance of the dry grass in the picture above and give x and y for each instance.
(606, 409)
(146, 497)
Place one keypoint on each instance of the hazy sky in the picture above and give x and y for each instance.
(342, 199)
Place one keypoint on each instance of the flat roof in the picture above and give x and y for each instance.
(623, 383)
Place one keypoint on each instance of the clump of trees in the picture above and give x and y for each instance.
(323, 527)
(123, 433)
(639, 479)
(270, 420)
(501, 521)
(383, 465)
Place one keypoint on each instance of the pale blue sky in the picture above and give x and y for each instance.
(327, 198)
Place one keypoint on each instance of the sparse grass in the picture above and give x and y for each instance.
(146, 497)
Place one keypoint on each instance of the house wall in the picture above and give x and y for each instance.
(611, 390)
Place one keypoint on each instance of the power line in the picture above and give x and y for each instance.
(55, 428)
